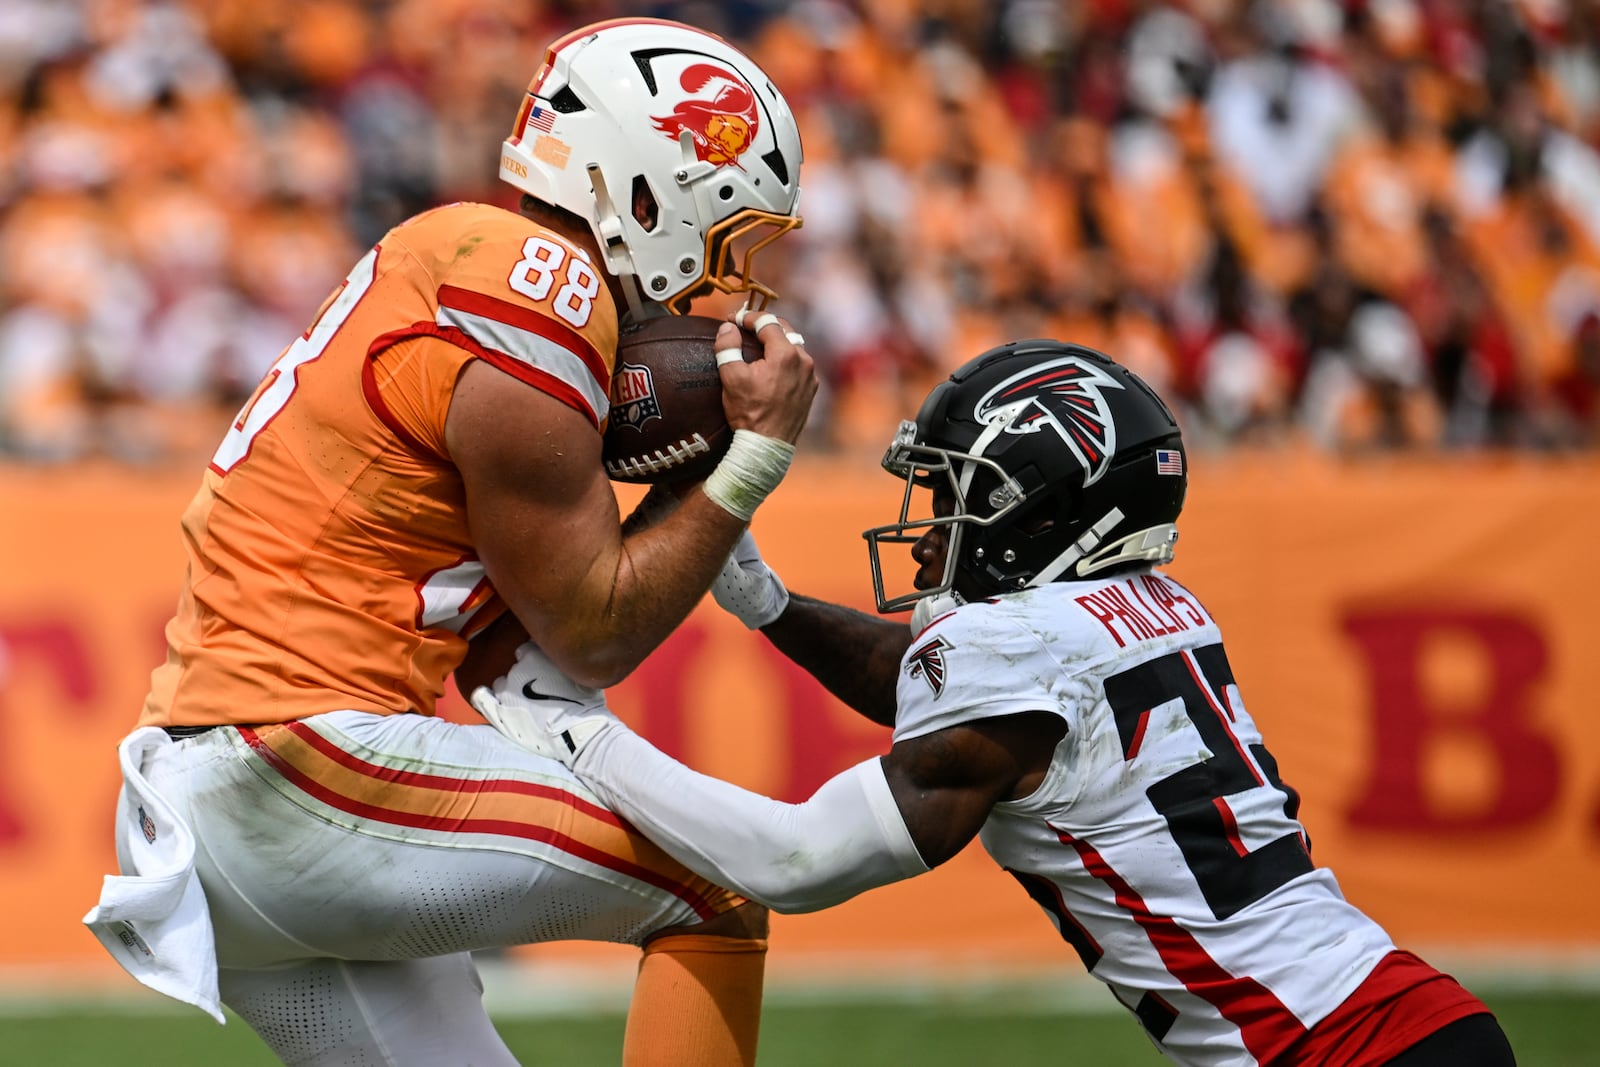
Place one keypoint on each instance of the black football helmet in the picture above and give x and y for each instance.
(1061, 463)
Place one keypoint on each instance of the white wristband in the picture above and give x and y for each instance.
(752, 468)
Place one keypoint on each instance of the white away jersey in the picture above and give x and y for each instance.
(1162, 842)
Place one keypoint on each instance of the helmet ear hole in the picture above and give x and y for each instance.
(1036, 525)
(646, 208)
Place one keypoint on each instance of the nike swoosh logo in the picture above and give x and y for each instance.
(533, 694)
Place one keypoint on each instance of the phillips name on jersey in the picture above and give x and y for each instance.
(1161, 771)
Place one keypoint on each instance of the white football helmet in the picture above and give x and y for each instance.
(674, 147)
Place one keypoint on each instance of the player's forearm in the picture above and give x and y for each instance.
(632, 600)
(856, 656)
(849, 837)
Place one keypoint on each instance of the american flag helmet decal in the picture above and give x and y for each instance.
(542, 118)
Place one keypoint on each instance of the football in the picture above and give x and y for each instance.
(667, 422)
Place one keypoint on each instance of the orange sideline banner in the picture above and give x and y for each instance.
(1415, 638)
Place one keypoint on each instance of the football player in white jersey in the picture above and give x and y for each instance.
(1060, 698)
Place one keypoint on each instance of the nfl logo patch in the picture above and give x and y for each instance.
(633, 396)
(1169, 461)
(147, 826)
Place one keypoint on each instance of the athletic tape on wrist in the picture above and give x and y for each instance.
(751, 469)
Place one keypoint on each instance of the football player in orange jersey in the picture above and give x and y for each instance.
(299, 836)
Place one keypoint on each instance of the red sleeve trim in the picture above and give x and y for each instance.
(492, 307)
(541, 380)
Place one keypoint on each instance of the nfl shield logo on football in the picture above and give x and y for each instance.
(147, 825)
(633, 396)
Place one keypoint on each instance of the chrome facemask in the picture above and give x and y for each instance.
(926, 467)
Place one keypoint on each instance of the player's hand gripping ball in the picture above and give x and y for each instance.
(667, 422)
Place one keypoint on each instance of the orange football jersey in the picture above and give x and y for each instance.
(329, 562)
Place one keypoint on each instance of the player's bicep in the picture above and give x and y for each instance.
(946, 782)
(542, 514)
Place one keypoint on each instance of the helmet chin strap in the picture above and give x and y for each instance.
(1090, 540)
(615, 248)
(639, 309)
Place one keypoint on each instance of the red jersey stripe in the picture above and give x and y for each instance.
(541, 380)
(1230, 826)
(544, 381)
(1222, 717)
(1401, 1002)
(1138, 735)
(523, 318)
(1265, 1025)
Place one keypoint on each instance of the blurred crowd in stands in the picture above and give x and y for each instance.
(1368, 224)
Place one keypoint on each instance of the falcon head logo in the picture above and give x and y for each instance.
(1064, 397)
(926, 661)
(723, 118)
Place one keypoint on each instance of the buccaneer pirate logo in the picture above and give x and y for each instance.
(720, 115)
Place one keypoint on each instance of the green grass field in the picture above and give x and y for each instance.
(1547, 1029)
